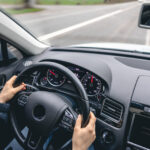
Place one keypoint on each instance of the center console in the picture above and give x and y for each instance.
(139, 127)
(138, 137)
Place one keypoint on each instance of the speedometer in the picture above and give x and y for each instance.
(55, 78)
(91, 84)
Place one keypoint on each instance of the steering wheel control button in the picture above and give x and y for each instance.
(22, 100)
(107, 137)
(39, 112)
(67, 121)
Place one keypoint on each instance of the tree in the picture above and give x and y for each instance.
(29, 3)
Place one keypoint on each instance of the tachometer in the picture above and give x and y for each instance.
(55, 78)
(91, 84)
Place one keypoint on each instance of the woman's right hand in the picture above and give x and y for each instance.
(84, 137)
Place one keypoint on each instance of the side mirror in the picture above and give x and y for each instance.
(144, 18)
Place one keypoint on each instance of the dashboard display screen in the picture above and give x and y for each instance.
(140, 133)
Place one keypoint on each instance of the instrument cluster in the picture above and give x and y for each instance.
(51, 79)
(93, 85)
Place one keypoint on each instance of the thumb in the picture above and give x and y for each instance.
(78, 122)
(12, 80)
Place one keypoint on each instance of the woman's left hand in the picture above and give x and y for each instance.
(8, 91)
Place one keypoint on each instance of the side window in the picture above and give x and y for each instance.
(8, 53)
(13, 52)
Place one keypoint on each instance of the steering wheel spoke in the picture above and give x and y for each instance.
(22, 97)
(34, 141)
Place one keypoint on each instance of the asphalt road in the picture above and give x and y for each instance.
(69, 25)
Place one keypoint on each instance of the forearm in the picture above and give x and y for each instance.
(78, 149)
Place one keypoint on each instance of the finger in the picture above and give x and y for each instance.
(78, 122)
(92, 120)
(20, 88)
(12, 79)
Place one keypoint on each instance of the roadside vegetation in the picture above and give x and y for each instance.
(28, 6)
(62, 2)
(14, 2)
(23, 10)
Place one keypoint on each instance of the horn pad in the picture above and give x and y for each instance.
(43, 110)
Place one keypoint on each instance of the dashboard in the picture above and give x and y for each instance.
(102, 106)
(117, 88)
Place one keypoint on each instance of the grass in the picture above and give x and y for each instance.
(23, 10)
(11, 1)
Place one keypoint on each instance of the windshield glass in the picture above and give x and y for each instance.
(70, 22)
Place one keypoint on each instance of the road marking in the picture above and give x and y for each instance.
(47, 17)
(74, 27)
(59, 16)
(147, 38)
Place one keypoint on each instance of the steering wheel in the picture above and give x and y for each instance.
(46, 110)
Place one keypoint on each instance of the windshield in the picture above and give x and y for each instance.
(71, 22)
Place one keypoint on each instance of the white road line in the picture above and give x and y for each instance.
(74, 27)
(59, 16)
(45, 18)
(147, 42)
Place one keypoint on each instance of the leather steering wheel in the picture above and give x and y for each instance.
(45, 110)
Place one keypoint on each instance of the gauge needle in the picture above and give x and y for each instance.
(92, 79)
(52, 72)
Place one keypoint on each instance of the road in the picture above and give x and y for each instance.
(69, 25)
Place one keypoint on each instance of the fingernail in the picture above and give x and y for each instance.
(24, 88)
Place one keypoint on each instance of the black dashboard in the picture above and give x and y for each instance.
(117, 88)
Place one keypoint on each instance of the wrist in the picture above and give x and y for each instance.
(2, 102)
(2, 99)
(78, 148)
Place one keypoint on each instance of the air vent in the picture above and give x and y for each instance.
(112, 110)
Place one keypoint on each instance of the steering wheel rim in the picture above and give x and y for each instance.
(83, 102)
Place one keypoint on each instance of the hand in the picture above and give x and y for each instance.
(8, 91)
(84, 137)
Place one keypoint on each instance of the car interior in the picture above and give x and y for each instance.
(63, 82)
